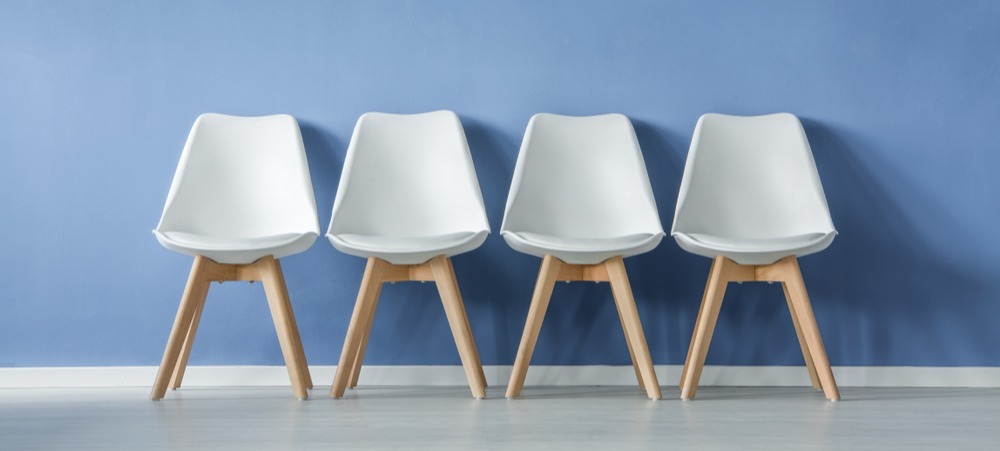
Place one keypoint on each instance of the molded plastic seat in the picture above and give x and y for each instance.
(754, 251)
(582, 250)
(408, 249)
(241, 192)
(236, 250)
(408, 201)
(409, 191)
(751, 200)
(581, 200)
(751, 192)
(241, 199)
(580, 191)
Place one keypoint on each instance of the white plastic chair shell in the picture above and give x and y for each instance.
(751, 192)
(409, 191)
(580, 191)
(241, 191)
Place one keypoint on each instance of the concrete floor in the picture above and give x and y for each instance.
(619, 418)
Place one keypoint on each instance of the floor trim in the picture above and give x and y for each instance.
(249, 376)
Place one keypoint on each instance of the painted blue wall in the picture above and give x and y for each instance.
(900, 99)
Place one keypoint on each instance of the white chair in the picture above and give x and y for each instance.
(751, 199)
(581, 200)
(408, 201)
(241, 199)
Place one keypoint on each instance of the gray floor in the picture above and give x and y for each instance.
(619, 418)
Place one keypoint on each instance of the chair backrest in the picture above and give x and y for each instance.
(751, 177)
(581, 177)
(408, 175)
(242, 177)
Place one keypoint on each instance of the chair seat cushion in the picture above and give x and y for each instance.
(582, 251)
(754, 251)
(407, 250)
(242, 250)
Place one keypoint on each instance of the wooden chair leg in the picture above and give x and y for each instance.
(479, 364)
(628, 342)
(182, 360)
(705, 327)
(197, 283)
(300, 352)
(701, 313)
(806, 355)
(356, 368)
(362, 310)
(454, 308)
(807, 320)
(633, 326)
(284, 324)
(536, 313)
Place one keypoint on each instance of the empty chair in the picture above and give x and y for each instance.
(241, 199)
(581, 200)
(751, 199)
(408, 201)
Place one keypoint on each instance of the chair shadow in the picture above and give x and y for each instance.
(667, 282)
(325, 153)
(879, 291)
(884, 291)
(485, 274)
(321, 281)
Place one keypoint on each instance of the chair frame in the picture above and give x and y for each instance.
(787, 272)
(611, 270)
(204, 271)
(378, 271)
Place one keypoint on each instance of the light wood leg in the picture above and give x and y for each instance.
(182, 360)
(536, 313)
(479, 364)
(182, 323)
(457, 318)
(633, 326)
(284, 324)
(810, 329)
(806, 355)
(362, 309)
(628, 342)
(701, 312)
(356, 368)
(300, 352)
(705, 327)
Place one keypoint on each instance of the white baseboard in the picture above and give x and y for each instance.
(219, 376)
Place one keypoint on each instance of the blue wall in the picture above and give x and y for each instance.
(900, 99)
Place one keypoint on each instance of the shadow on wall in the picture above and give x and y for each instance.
(320, 281)
(667, 282)
(880, 292)
(883, 293)
(485, 275)
(325, 153)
